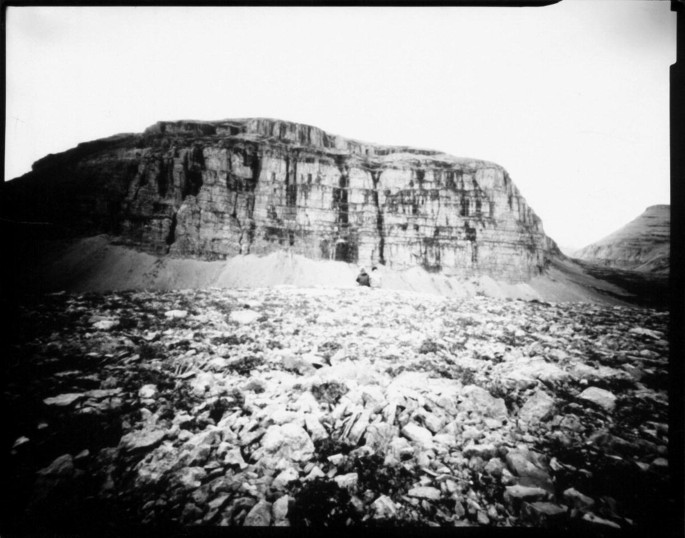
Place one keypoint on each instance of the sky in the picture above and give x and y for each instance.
(572, 99)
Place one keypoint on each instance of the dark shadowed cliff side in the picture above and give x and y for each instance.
(214, 190)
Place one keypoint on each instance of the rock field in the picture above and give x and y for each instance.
(294, 407)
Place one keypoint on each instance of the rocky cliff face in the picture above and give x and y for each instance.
(643, 244)
(214, 190)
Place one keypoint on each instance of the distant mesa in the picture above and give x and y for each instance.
(214, 190)
(641, 245)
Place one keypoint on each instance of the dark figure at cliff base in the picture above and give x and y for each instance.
(363, 278)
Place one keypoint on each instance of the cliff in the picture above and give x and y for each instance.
(641, 245)
(214, 190)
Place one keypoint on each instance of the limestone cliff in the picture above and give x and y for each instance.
(642, 245)
(213, 190)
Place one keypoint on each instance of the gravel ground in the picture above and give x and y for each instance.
(295, 407)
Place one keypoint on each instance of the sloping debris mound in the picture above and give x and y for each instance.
(333, 407)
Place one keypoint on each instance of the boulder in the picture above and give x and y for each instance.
(384, 508)
(536, 408)
(288, 441)
(140, 440)
(347, 481)
(600, 397)
(176, 314)
(479, 401)
(64, 400)
(542, 514)
(259, 515)
(520, 463)
(425, 492)
(244, 317)
(285, 478)
(576, 499)
(419, 435)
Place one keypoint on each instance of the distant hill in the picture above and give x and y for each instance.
(641, 245)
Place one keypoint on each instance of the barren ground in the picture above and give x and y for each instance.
(289, 406)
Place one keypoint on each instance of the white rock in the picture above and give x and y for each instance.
(234, 457)
(285, 477)
(106, 324)
(480, 401)
(599, 521)
(20, 441)
(316, 472)
(538, 407)
(433, 422)
(62, 466)
(176, 314)
(418, 434)
(288, 441)
(307, 403)
(601, 397)
(279, 509)
(384, 507)
(259, 516)
(64, 400)
(425, 492)
(399, 449)
(315, 428)
(347, 481)
(359, 427)
(147, 391)
(191, 477)
(379, 435)
(282, 416)
(244, 317)
(141, 440)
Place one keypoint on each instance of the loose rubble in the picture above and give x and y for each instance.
(293, 407)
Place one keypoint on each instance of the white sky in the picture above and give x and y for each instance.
(572, 99)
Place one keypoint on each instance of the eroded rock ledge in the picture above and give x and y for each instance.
(218, 189)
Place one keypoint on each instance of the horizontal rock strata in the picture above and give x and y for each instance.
(214, 190)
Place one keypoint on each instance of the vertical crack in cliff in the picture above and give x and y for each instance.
(171, 236)
(375, 177)
(163, 177)
(291, 186)
(194, 164)
(344, 250)
(472, 236)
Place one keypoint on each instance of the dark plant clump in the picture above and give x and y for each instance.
(245, 365)
(328, 349)
(391, 480)
(329, 392)
(231, 340)
(428, 346)
(322, 503)
(329, 446)
(149, 351)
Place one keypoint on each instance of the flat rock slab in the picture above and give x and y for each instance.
(425, 492)
(288, 441)
(244, 317)
(64, 400)
(418, 435)
(602, 398)
(478, 400)
(176, 314)
(538, 407)
(141, 440)
(259, 515)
